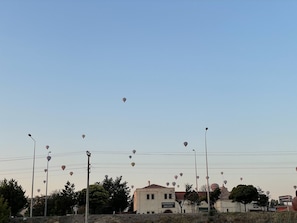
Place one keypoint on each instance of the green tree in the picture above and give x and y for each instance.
(244, 194)
(14, 195)
(214, 196)
(98, 198)
(190, 195)
(263, 200)
(38, 208)
(4, 210)
(61, 202)
(119, 193)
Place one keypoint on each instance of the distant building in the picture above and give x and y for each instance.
(154, 199)
(224, 204)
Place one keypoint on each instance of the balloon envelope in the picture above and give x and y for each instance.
(181, 174)
(71, 173)
(63, 167)
(134, 151)
(185, 143)
(130, 157)
(132, 164)
(225, 181)
(83, 136)
(175, 176)
(167, 183)
(124, 99)
(47, 146)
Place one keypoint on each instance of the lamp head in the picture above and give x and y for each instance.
(88, 153)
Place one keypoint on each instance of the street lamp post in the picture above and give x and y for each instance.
(87, 193)
(45, 203)
(31, 205)
(196, 171)
(207, 177)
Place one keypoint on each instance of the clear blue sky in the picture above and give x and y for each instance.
(182, 65)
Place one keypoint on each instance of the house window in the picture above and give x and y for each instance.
(147, 212)
(147, 196)
(170, 196)
(153, 196)
(165, 196)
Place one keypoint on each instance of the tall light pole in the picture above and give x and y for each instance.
(31, 205)
(45, 203)
(207, 177)
(87, 193)
(196, 171)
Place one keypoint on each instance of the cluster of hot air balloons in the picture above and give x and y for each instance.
(130, 156)
(63, 167)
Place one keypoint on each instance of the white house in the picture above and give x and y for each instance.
(158, 199)
(224, 204)
(155, 199)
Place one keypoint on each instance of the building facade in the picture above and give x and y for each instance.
(154, 199)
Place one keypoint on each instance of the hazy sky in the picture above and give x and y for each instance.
(182, 65)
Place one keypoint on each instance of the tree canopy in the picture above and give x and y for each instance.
(119, 193)
(4, 210)
(14, 195)
(98, 199)
(244, 194)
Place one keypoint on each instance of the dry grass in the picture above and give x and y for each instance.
(285, 217)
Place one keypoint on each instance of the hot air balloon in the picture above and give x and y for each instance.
(177, 185)
(185, 143)
(124, 100)
(132, 164)
(173, 183)
(295, 187)
(48, 158)
(83, 136)
(222, 173)
(130, 156)
(45, 170)
(63, 167)
(206, 128)
(134, 151)
(132, 186)
(44, 181)
(38, 190)
(181, 174)
(71, 173)
(175, 176)
(197, 177)
(241, 178)
(225, 181)
(167, 184)
(47, 146)
(214, 186)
